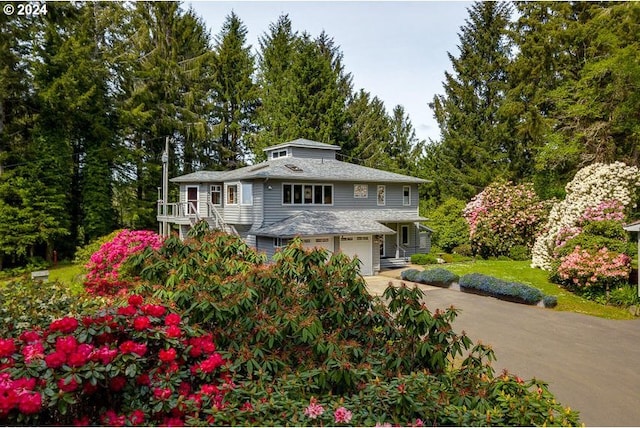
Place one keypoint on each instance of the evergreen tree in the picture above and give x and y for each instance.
(164, 93)
(235, 93)
(303, 87)
(475, 145)
(404, 148)
(368, 132)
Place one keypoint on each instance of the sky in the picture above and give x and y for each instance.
(394, 50)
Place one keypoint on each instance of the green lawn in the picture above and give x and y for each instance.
(522, 272)
(71, 274)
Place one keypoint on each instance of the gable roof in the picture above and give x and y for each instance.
(292, 168)
(303, 142)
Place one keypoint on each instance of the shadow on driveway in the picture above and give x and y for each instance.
(591, 364)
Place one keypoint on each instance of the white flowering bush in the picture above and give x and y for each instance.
(592, 185)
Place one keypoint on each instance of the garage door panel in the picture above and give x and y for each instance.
(359, 246)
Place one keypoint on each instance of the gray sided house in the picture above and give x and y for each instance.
(302, 190)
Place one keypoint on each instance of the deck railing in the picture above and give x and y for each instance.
(178, 209)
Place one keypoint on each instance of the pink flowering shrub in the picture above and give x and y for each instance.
(588, 269)
(137, 364)
(103, 275)
(503, 216)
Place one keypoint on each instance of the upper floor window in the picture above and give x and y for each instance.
(307, 194)
(406, 195)
(247, 194)
(216, 194)
(382, 194)
(360, 191)
(279, 154)
(232, 194)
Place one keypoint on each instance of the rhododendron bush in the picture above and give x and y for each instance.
(614, 185)
(103, 268)
(138, 364)
(502, 216)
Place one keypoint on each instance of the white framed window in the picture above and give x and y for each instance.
(216, 194)
(307, 194)
(406, 195)
(232, 194)
(404, 235)
(279, 154)
(280, 242)
(360, 191)
(382, 194)
(247, 194)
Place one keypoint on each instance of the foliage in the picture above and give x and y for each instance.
(505, 290)
(102, 276)
(521, 271)
(417, 399)
(437, 276)
(302, 311)
(503, 216)
(624, 296)
(519, 252)
(584, 268)
(138, 364)
(550, 301)
(450, 229)
(25, 303)
(593, 186)
(423, 259)
(84, 253)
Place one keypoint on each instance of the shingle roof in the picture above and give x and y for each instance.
(316, 223)
(305, 169)
(302, 142)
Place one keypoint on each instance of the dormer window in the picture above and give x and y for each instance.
(279, 154)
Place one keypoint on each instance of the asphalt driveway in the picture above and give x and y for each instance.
(591, 364)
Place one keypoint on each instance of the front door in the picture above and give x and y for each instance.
(192, 199)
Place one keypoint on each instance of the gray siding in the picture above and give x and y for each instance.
(343, 199)
(412, 247)
(204, 196)
(243, 214)
(303, 152)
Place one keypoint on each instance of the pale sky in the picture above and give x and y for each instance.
(395, 50)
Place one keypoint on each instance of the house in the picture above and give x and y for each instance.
(303, 190)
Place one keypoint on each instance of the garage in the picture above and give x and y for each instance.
(325, 242)
(360, 246)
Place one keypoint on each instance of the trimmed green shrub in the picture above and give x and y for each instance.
(437, 276)
(423, 259)
(519, 252)
(463, 250)
(501, 289)
(550, 301)
(448, 258)
(410, 274)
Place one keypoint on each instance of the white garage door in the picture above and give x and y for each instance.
(325, 242)
(359, 246)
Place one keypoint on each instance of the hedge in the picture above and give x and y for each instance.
(501, 289)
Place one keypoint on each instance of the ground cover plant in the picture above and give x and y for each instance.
(501, 289)
(521, 271)
(225, 338)
(437, 276)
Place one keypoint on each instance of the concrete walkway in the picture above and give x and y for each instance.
(591, 364)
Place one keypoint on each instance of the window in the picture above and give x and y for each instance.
(360, 191)
(404, 235)
(247, 194)
(307, 194)
(232, 194)
(280, 242)
(382, 191)
(406, 195)
(216, 194)
(279, 154)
